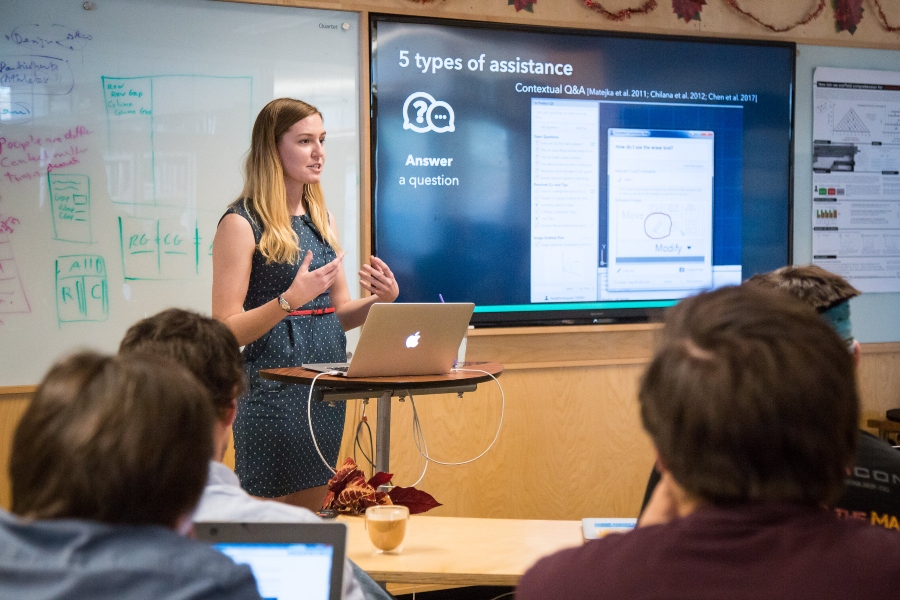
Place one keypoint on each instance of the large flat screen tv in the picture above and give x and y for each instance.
(569, 176)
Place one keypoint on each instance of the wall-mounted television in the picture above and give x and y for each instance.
(571, 176)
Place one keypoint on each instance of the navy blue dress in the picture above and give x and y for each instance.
(274, 452)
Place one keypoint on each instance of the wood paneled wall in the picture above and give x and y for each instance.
(571, 444)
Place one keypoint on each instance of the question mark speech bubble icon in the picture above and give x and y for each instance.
(413, 101)
(421, 106)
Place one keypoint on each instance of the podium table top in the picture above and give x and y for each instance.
(466, 374)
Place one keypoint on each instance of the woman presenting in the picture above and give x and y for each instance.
(279, 285)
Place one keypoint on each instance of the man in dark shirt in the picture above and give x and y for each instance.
(752, 406)
(872, 486)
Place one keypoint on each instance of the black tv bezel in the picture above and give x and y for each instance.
(581, 316)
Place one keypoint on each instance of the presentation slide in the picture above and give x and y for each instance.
(525, 168)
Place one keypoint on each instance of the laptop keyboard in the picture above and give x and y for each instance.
(340, 369)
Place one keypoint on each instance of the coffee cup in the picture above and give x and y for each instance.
(386, 526)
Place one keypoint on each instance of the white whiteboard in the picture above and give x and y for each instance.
(122, 135)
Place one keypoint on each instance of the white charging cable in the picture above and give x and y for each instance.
(309, 420)
(416, 423)
(418, 434)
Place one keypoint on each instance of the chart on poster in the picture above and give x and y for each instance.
(856, 176)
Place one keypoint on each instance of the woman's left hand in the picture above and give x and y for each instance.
(377, 278)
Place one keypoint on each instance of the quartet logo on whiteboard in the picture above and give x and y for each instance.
(422, 113)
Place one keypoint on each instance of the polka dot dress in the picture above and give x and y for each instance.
(274, 452)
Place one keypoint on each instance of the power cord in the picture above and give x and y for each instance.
(363, 421)
(417, 425)
(312, 433)
(418, 435)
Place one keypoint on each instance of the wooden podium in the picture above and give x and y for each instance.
(337, 388)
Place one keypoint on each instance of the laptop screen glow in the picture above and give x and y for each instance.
(285, 571)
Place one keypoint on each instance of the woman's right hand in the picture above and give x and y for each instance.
(308, 285)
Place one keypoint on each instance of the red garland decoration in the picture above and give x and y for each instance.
(688, 9)
(818, 10)
(884, 21)
(623, 14)
(847, 15)
(526, 4)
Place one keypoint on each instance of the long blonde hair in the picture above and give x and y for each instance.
(264, 193)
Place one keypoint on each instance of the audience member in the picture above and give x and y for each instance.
(208, 349)
(872, 486)
(107, 464)
(751, 403)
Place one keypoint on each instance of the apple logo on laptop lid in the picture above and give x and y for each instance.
(413, 340)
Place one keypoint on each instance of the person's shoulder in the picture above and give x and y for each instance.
(580, 572)
(871, 554)
(181, 559)
(141, 559)
(227, 503)
(240, 208)
(874, 539)
(873, 448)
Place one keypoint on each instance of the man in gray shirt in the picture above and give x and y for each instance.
(209, 350)
(107, 464)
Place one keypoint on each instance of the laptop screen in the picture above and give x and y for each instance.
(286, 571)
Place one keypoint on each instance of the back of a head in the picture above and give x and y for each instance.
(812, 284)
(826, 292)
(202, 345)
(114, 439)
(751, 397)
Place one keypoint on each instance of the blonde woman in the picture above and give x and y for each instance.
(279, 285)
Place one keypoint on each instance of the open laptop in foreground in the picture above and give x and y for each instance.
(400, 339)
(289, 560)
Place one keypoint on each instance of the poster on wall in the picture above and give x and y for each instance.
(856, 176)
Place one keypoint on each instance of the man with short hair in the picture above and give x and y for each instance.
(107, 464)
(872, 486)
(207, 348)
(751, 403)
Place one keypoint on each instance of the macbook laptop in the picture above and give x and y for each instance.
(400, 339)
(289, 560)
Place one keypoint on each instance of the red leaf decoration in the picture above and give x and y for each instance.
(347, 472)
(688, 9)
(847, 15)
(520, 4)
(349, 492)
(380, 478)
(415, 500)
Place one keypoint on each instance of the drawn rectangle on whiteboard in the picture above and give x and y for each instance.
(158, 249)
(70, 198)
(82, 288)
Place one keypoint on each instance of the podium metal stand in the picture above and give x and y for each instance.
(337, 389)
